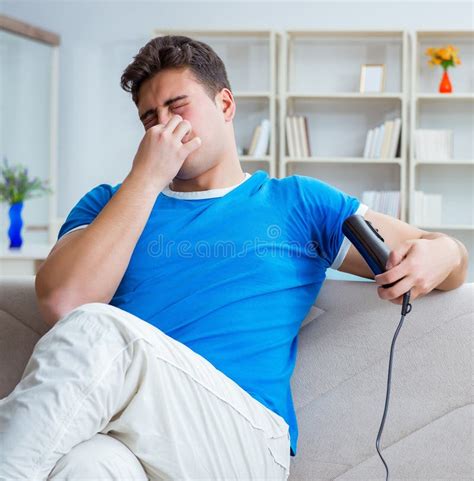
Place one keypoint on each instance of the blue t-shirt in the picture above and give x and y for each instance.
(233, 277)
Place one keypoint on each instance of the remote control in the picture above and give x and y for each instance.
(368, 242)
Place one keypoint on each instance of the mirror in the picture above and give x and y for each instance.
(28, 92)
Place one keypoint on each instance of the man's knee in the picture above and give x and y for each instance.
(96, 319)
(94, 328)
(100, 458)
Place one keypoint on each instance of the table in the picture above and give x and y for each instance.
(25, 260)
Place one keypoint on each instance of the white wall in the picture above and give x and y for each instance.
(98, 126)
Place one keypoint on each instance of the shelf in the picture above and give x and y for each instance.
(338, 160)
(343, 33)
(345, 95)
(430, 109)
(444, 97)
(339, 115)
(26, 251)
(251, 158)
(444, 162)
(447, 227)
(251, 95)
(214, 33)
(445, 34)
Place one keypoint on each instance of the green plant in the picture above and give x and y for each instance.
(15, 186)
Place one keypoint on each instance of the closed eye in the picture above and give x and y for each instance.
(153, 115)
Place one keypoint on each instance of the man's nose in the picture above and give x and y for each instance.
(164, 117)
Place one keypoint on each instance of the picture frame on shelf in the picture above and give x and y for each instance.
(372, 78)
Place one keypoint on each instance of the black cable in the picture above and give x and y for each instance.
(406, 308)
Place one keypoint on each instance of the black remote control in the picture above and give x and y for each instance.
(368, 242)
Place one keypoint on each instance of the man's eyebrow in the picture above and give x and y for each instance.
(168, 102)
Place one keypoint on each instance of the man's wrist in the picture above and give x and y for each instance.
(145, 183)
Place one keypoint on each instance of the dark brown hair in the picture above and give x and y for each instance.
(176, 51)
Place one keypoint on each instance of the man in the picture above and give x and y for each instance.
(176, 296)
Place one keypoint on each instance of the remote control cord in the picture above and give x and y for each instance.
(406, 308)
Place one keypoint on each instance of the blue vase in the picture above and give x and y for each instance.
(16, 223)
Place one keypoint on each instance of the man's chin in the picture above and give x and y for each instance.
(187, 171)
(193, 167)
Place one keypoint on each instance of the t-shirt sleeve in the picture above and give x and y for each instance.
(326, 208)
(87, 208)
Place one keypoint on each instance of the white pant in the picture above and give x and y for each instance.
(106, 395)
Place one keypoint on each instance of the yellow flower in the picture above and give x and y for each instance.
(445, 54)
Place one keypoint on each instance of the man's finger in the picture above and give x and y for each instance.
(193, 144)
(393, 274)
(402, 286)
(396, 255)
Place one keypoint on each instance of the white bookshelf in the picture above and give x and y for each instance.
(250, 57)
(453, 178)
(320, 73)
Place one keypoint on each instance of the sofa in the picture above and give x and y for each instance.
(340, 380)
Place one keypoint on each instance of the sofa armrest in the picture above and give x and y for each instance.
(21, 326)
(18, 299)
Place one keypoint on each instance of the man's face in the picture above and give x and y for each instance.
(192, 103)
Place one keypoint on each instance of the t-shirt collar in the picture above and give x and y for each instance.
(202, 194)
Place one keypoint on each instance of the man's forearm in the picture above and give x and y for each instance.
(458, 254)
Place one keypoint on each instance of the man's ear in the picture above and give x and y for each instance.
(227, 104)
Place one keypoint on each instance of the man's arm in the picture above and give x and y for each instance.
(420, 260)
(88, 264)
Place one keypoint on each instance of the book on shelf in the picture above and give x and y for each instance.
(289, 136)
(294, 133)
(433, 144)
(368, 143)
(383, 141)
(253, 142)
(369, 147)
(297, 136)
(260, 139)
(378, 144)
(387, 135)
(384, 201)
(427, 208)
